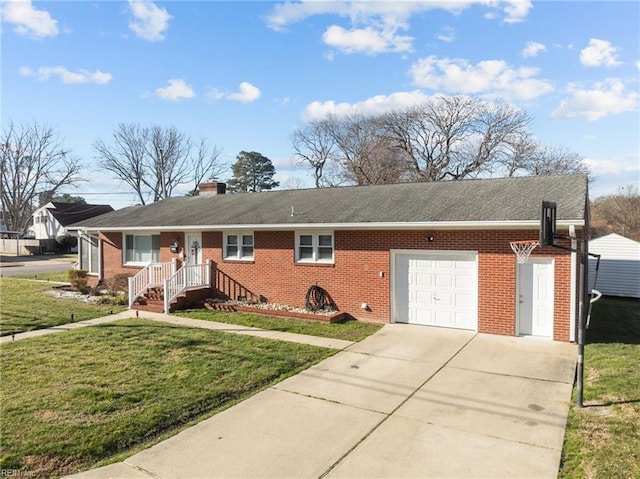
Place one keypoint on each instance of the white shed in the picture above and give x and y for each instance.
(619, 273)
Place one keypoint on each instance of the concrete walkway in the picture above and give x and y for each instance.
(408, 401)
(186, 322)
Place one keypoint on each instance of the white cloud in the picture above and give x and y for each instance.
(149, 21)
(447, 34)
(374, 25)
(246, 94)
(517, 10)
(491, 78)
(372, 106)
(599, 53)
(215, 94)
(605, 98)
(27, 20)
(623, 166)
(532, 49)
(288, 13)
(367, 40)
(177, 90)
(82, 76)
(282, 101)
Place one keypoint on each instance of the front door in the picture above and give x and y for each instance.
(193, 258)
(535, 298)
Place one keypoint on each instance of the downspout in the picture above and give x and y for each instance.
(80, 248)
(100, 260)
(573, 291)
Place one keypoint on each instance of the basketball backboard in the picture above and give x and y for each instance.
(548, 224)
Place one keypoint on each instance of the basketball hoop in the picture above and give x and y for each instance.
(523, 249)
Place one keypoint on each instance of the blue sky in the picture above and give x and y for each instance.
(244, 75)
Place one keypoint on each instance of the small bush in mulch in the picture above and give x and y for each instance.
(121, 299)
(78, 280)
(117, 284)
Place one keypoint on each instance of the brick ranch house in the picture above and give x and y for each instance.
(423, 253)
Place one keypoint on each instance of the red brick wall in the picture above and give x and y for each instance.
(360, 257)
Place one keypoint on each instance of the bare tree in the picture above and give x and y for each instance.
(126, 156)
(366, 155)
(316, 145)
(205, 163)
(619, 212)
(292, 183)
(33, 163)
(155, 161)
(446, 137)
(168, 153)
(546, 160)
(456, 137)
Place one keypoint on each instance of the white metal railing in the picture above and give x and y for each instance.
(150, 276)
(188, 277)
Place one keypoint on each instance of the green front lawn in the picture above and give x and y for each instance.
(603, 438)
(25, 306)
(72, 401)
(349, 330)
(59, 277)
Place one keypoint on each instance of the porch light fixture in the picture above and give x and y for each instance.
(175, 245)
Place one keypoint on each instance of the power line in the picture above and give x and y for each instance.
(78, 193)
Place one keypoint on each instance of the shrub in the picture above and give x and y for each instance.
(118, 284)
(78, 280)
(117, 300)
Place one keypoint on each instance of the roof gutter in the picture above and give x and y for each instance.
(431, 225)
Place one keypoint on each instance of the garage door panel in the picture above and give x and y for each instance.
(466, 281)
(464, 301)
(423, 280)
(443, 318)
(444, 280)
(438, 289)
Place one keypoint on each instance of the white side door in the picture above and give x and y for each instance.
(536, 297)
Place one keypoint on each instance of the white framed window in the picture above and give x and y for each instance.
(238, 246)
(89, 249)
(142, 249)
(314, 247)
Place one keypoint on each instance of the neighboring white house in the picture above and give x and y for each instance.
(619, 272)
(50, 221)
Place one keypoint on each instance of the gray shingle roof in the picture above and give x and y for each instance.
(69, 213)
(485, 200)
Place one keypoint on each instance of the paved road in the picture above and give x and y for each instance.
(12, 265)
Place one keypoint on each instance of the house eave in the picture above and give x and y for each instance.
(418, 225)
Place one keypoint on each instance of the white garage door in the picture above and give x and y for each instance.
(436, 289)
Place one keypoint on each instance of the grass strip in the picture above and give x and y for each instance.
(603, 438)
(69, 402)
(349, 330)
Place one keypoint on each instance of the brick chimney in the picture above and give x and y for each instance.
(212, 188)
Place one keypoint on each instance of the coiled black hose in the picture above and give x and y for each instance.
(316, 299)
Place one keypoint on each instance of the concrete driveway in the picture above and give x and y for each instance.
(409, 401)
